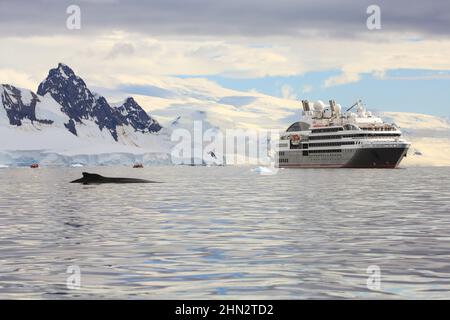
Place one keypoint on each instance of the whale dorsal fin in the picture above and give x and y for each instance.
(90, 175)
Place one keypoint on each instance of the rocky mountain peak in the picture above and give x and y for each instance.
(19, 105)
(77, 102)
(137, 117)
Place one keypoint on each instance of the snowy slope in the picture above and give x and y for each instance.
(201, 99)
(429, 135)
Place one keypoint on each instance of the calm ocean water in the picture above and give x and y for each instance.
(226, 232)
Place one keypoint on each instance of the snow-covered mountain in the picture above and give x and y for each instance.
(79, 104)
(19, 105)
(133, 115)
(65, 122)
(181, 101)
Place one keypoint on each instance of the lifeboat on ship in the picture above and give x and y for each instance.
(295, 139)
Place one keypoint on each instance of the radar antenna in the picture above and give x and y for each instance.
(359, 102)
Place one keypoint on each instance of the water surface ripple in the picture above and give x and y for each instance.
(226, 232)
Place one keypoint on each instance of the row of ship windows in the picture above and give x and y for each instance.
(327, 130)
(305, 152)
(313, 152)
(325, 151)
(330, 144)
(324, 137)
(360, 135)
(348, 128)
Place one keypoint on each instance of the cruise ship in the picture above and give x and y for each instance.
(327, 137)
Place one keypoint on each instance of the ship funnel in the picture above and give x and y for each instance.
(306, 106)
(333, 106)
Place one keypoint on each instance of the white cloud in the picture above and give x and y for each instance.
(343, 78)
(138, 56)
(21, 79)
(121, 49)
(307, 88)
(287, 92)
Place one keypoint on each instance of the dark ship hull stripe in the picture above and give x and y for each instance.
(363, 158)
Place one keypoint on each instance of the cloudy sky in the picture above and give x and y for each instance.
(313, 49)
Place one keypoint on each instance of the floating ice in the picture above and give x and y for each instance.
(263, 170)
(76, 165)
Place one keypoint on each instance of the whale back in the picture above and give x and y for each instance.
(94, 178)
(88, 175)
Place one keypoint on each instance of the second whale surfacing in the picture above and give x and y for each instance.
(93, 178)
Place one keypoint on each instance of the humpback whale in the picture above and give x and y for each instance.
(93, 178)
